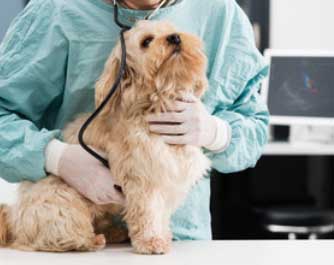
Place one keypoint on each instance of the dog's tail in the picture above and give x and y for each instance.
(4, 225)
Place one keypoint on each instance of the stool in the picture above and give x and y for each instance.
(296, 221)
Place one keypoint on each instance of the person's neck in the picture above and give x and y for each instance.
(141, 4)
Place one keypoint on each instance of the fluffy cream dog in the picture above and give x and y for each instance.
(162, 65)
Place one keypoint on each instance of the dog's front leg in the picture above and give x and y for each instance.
(147, 217)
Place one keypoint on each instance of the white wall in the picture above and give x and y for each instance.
(302, 24)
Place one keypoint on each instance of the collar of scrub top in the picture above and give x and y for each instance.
(148, 16)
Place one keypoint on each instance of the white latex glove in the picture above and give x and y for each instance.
(188, 122)
(83, 172)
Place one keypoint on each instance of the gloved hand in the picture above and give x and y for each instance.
(83, 172)
(188, 122)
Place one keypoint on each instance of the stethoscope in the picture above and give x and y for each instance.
(114, 87)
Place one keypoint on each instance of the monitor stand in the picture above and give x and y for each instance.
(279, 133)
(302, 134)
(312, 134)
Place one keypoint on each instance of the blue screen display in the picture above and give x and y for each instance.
(302, 86)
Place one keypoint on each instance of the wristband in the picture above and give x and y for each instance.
(222, 137)
(53, 152)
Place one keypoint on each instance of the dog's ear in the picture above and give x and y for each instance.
(200, 86)
(105, 82)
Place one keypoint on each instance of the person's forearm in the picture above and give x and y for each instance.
(249, 134)
(22, 148)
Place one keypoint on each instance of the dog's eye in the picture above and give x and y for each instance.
(146, 42)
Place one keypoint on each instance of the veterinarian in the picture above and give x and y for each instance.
(54, 52)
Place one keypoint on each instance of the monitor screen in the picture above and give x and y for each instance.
(301, 87)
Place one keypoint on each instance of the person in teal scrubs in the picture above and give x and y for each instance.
(55, 50)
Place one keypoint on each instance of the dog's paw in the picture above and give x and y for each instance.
(99, 242)
(154, 245)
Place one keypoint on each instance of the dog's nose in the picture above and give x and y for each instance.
(174, 39)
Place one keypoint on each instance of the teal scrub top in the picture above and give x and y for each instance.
(55, 50)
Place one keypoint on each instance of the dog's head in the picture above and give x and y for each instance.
(162, 64)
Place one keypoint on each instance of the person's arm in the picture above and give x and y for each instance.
(33, 59)
(248, 118)
(233, 137)
(236, 76)
(32, 71)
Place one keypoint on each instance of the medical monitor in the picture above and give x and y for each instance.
(300, 87)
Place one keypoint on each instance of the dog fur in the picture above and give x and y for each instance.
(155, 177)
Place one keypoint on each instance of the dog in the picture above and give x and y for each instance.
(162, 65)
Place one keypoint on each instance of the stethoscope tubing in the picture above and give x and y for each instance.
(112, 91)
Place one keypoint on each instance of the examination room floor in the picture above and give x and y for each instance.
(190, 253)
